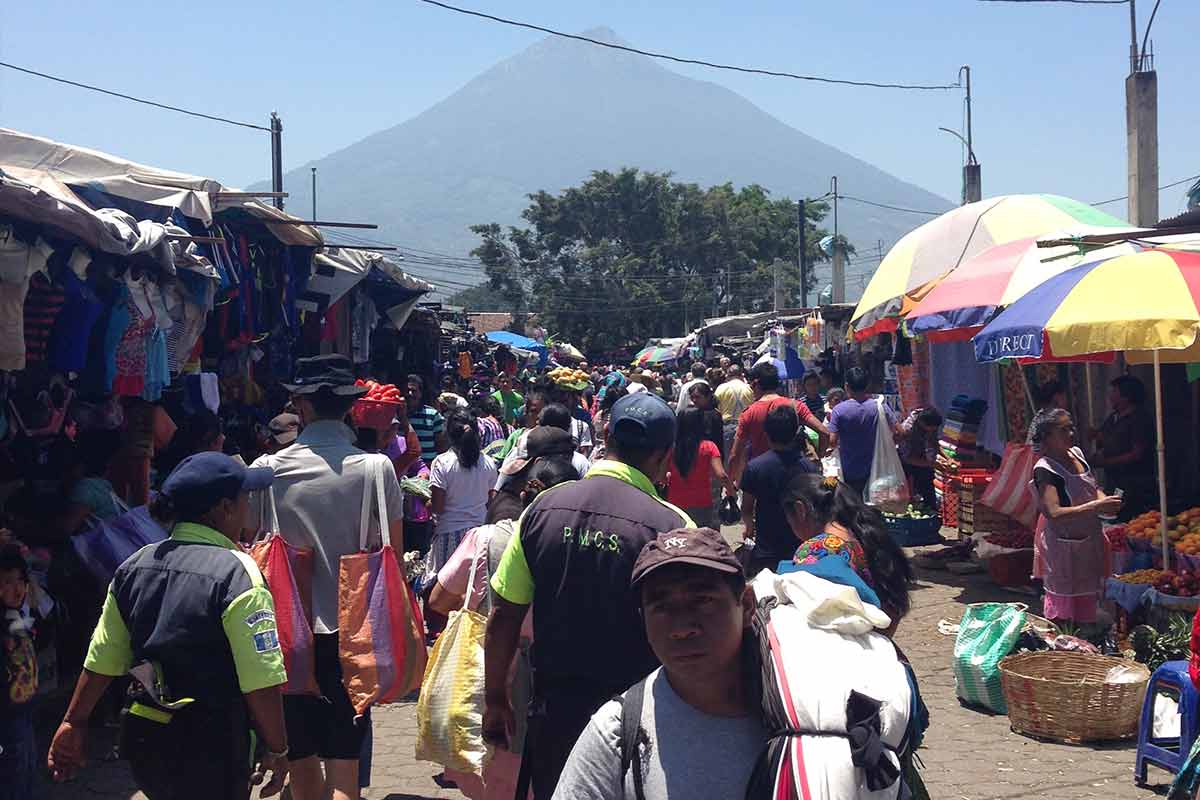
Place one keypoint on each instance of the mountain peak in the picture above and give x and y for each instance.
(604, 34)
(548, 116)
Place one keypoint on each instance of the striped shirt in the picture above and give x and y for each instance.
(427, 423)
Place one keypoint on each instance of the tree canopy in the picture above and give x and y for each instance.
(630, 255)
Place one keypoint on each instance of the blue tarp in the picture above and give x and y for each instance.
(523, 342)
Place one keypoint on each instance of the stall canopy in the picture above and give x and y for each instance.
(336, 271)
(922, 257)
(86, 170)
(519, 342)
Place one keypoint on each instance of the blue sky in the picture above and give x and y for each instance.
(1048, 78)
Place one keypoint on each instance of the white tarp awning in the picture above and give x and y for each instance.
(196, 197)
(39, 197)
(337, 270)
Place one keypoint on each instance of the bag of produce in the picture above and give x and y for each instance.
(986, 634)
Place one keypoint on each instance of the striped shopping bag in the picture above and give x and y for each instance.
(986, 634)
(288, 572)
(1008, 493)
(381, 633)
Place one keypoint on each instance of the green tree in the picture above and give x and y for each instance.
(630, 255)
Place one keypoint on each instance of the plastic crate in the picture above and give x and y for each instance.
(908, 532)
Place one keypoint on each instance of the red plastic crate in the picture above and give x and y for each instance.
(950, 507)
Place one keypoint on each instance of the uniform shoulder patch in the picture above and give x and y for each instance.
(266, 641)
(261, 615)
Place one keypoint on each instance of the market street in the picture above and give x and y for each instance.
(968, 755)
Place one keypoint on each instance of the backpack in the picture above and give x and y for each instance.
(633, 736)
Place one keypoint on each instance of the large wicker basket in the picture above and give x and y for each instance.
(1065, 697)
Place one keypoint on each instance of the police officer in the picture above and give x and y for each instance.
(192, 621)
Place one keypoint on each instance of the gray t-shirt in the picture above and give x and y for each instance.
(690, 754)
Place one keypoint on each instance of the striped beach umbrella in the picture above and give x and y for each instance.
(1145, 304)
(924, 256)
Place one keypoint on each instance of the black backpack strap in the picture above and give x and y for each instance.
(632, 736)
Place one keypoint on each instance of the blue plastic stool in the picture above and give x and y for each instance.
(1172, 675)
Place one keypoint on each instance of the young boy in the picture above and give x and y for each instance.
(18, 678)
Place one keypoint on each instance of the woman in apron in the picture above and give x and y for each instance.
(1069, 549)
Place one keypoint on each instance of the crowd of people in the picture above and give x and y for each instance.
(584, 517)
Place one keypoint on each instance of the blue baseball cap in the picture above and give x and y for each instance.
(643, 420)
(203, 480)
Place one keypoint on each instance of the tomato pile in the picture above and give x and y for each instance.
(1013, 540)
(1116, 537)
(1184, 583)
(381, 392)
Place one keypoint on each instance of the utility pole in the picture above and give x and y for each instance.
(972, 172)
(277, 159)
(1141, 127)
(314, 192)
(775, 291)
(802, 257)
(839, 256)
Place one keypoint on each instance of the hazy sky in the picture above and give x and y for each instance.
(1048, 78)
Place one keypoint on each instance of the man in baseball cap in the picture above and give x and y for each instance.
(697, 609)
(572, 557)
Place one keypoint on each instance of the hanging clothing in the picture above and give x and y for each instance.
(363, 320)
(43, 304)
(1069, 552)
(72, 332)
(18, 262)
(130, 378)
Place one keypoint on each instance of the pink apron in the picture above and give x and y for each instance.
(1072, 552)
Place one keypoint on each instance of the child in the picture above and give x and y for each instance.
(18, 678)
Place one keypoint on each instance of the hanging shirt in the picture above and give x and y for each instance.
(73, 327)
(18, 262)
(43, 304)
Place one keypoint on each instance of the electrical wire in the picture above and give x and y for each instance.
(1146, 37)
(1170, 185)
(697, 62)
(893, 208)
(1075, 2)
(131, 97)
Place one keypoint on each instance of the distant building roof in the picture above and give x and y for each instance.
(485, 322)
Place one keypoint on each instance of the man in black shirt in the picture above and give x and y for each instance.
(762, 485)
(1126, 447)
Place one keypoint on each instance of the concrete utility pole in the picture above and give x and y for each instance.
(277, 159)
(1141, 127)
(972, 172)
(839, 256)
(314, 192)
(802, 255)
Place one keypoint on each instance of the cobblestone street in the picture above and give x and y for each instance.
(968, 755)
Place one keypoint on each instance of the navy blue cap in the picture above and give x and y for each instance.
(643, 420)
(203, 480)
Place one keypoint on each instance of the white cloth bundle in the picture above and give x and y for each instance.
(825, 644)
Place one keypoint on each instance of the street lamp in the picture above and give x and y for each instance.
(972, 190)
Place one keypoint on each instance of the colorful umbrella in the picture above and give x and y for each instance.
(957, 307)
(656, 354)
(931, 251)
(1146, 304)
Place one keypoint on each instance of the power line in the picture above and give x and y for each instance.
(1171, 185)
(1075, 2)
(131, 97)
(893, 208)
(698, 62)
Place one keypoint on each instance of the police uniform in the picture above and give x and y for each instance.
(193, 621)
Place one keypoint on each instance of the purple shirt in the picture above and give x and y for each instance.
(854, 423)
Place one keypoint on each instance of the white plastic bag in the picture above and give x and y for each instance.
(887, 487)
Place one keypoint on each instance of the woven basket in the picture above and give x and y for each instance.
(1064, 696)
